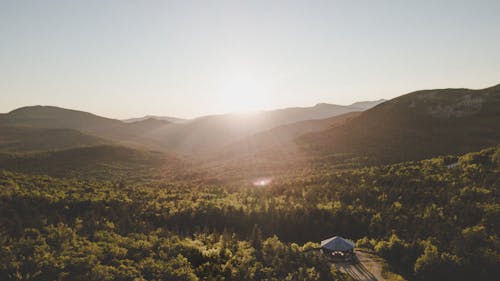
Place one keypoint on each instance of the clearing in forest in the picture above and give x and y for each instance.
(368, 267)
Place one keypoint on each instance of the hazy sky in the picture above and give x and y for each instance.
(190, 58)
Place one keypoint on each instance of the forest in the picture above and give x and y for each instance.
(434, 219)
(249, 140)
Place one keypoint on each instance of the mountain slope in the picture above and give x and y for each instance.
(50, 117)
(417, 125)
(364, 105)
(282, 137)
(104, 161)
(55, 117)
(28, 139)
(210, 133)
(194, 137)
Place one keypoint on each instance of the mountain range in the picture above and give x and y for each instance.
(154, 117)
(65, 128)
(417, 125)
(413, 126)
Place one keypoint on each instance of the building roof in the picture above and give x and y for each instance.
(337, 244)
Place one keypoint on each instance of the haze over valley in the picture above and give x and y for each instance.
(249, 140)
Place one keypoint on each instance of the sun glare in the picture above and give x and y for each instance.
(262, 182)
(242, 94)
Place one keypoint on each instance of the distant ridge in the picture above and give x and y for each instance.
(101, 160)
(56, 117)
(417, 125)
(28, 139)
(87, 124)
(191, 137)
(161, 118)
(208, 134)
(367, 104)
(281, 137)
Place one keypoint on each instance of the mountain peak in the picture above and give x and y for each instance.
(168, 119)
(149, 122)
(324, 104)
(495, 88)
(36, 111)
(364, 105)
(34, 108)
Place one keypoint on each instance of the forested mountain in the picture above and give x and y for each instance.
(279, 141)
(191, 137)
(415, 126)
(80, 206)
(98, 161)
(249, 140)
(56, 117)
(50, 117)
(29, 139)
(364, 105)
(209, 134)
(411, 127)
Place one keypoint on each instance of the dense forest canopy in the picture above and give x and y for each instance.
(432, 220)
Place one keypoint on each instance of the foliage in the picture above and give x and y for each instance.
(429, 220)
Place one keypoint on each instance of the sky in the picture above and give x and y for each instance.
(185, 58)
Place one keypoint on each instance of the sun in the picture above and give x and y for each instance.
(241, 93)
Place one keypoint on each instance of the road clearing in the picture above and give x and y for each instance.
(367, 267)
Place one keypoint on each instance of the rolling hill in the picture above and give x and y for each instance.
(209, 134)
(101, 161)
(417, 125)
(269, 153)
(283, 137)
(414, 126)
(29, 139)
(61, 118)
(192, 137)
(54, 124)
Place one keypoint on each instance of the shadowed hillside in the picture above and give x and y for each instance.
(281, 139)
(50, 117)
(193, 137)
(103, 161)
(26, 139)
(211, 133)
(417, 125)
(55, 117)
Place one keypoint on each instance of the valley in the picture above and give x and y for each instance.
(249, 140)
(229, 197)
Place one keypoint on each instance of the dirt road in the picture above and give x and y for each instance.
(367, 269)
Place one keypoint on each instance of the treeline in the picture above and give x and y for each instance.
(436, 219)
